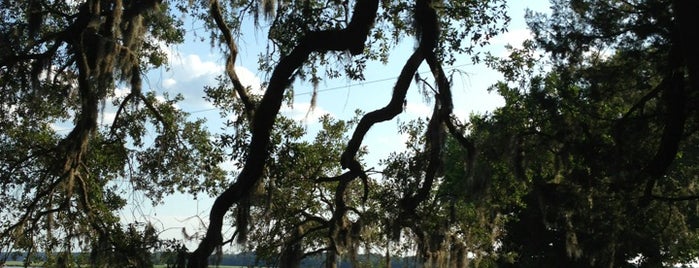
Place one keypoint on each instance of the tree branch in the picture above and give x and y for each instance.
(426, 17)
(215, 9)
(674, 98)
(351, 38)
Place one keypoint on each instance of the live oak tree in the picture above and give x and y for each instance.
(61, 171)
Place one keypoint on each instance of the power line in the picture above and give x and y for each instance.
(342, 87)
(320, 90)
(346, 86)
(371, 82)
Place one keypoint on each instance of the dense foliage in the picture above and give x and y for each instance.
(602, 132)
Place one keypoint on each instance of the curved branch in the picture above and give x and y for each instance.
(391, 110)
(351, 38)
(441, 114)
(428, 24)
(426, 18)
(215, 9)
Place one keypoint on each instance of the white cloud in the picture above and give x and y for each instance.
(121, 92)
(187, 69)
(513, 37)
(161, 99)
(302, 112)
(168, 83)
(418, 109)
(188, 74)
(191, 67)
(248, 78)
(107, 118)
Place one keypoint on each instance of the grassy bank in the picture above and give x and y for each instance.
(21, 264)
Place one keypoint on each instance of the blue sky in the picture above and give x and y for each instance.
(195, 64)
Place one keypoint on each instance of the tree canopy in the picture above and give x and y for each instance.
(590, 162)
(601, 136)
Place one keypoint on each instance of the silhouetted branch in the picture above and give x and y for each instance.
(350, 39)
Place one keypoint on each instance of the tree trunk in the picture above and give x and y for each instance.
(388, 255)
(331, 259)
